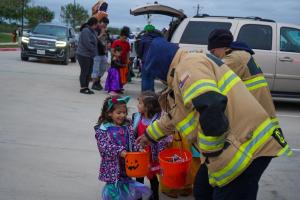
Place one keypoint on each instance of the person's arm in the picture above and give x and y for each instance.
(199, 88)
(165, 142)
(106, 146)
(134, 147)
(102, 33)
(117, 63)
(161, 128)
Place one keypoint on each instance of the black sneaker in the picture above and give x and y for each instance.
(86, 91)
(91, 92)
(97, 86)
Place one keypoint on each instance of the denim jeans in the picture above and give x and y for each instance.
(100, 66)
(147, 81)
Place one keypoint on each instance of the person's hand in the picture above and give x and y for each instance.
(142, 140)
(123, 153)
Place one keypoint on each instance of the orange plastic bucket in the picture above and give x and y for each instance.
(137, 164)
(174, 174)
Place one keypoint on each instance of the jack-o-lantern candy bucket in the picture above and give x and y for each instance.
(137, 164)
(174, 164)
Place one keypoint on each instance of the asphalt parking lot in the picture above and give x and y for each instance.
(47, 145)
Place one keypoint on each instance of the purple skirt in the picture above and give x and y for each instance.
(113, 80)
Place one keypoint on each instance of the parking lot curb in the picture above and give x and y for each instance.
(9, 49)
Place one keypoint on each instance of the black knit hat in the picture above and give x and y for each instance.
(219, 38)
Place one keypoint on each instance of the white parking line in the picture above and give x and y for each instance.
(296, 150)
(292, 116)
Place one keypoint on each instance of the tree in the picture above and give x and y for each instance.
(12, 9)
(73, 15)
(38, 14)
(114, 30)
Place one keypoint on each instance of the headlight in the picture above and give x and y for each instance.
(60, 43)
(25, 40)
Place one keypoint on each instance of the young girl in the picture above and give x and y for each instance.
(113, 82)
(148, 111)
(115, 138)
(125, 45)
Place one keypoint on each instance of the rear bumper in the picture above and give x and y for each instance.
(53, 54)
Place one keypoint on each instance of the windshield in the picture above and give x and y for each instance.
(57, 31)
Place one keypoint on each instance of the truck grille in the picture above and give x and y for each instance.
(43, 44)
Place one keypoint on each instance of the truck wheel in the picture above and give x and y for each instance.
(24, 58)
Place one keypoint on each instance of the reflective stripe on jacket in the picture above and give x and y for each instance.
(244, 65)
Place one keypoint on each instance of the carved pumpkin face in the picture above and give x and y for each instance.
(132, 165)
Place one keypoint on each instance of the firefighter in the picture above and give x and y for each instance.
(211, 107)
(238, 56)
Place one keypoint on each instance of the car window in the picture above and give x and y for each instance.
(256, 36)
(289, 39)
(52, 30)
(196, 32)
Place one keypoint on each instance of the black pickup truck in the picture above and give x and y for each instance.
(51, 41)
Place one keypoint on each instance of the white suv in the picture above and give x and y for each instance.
(276, 45)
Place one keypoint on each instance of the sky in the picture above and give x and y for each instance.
(287, 11)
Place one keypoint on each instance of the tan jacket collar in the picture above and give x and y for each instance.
(177, 58)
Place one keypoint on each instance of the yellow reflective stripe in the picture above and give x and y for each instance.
(255, 83)
(227, 82)
(210, 138)
(275, 121)
(187, 125)
(209, 143)
(154, 131)
(211, 180)
(198, 88)
(242, 147)
(285, 151)
(244, 155)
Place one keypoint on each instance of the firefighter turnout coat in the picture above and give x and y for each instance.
(251, 133)
(244, 65)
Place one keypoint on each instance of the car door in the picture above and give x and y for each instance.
(287, 77)
(261, 37)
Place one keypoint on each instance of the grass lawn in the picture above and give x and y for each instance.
(5, 37)
(9, 46)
